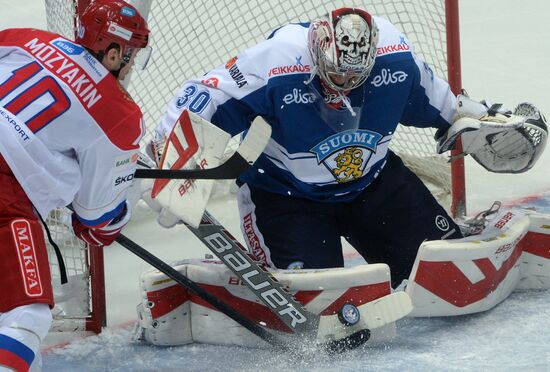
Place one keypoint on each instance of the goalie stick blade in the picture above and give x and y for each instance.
(348, 343)
(374, 314)
(247, 153)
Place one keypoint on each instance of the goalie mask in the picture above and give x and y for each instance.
(343, 47)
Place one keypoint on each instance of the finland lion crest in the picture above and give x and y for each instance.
(349, 165)
(346, 154)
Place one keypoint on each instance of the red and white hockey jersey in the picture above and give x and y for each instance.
(68, 130)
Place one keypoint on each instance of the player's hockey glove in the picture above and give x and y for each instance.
(100, 236)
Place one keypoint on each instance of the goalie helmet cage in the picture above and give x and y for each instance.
(189, 38)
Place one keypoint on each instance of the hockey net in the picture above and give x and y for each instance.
(190, 38)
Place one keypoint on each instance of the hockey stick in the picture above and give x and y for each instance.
(248, 151)
(199, 291)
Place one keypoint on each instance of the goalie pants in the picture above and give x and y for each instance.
(386, 223)
(24, 267)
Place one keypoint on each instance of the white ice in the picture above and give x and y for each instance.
(505, 58)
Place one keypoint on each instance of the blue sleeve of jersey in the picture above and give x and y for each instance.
(235, 115)
(431, 102)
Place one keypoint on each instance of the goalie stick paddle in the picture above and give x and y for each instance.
(199, 291)
(248, 151)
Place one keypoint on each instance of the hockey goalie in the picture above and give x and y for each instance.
(504, 250)
(332, 93)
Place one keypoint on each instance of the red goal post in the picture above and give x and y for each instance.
(191, 37)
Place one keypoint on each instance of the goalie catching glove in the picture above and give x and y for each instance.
(499, 140)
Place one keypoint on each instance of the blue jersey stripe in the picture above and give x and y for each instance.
(107, 217)
(17, 348)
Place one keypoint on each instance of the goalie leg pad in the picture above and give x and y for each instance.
(170, 315)
(474, 274)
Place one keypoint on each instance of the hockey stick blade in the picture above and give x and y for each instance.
(199, 291)
(248, 152)
(374, 314)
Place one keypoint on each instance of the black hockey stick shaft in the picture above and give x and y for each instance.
(199, 291)
(231, 169)
(246, 154)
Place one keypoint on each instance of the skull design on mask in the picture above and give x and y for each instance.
(343, 47)
(353, 40)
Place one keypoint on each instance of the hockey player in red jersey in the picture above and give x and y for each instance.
(69, 134)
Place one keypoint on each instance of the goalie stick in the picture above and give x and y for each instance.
(248, 151)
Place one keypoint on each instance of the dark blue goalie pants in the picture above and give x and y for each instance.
(386, 223)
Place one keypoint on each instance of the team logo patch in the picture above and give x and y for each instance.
(22, 237)
(68, 47)
(442, 223)
(346, 154)
(211, 82)
(387, 77)
(349, 165)
(235, 73)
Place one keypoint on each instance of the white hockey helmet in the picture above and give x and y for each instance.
(343, 47)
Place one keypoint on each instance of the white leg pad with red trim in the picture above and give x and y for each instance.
(474, 274)
(171, 315)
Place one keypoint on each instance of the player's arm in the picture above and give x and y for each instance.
(500, 140)
(230, 97)
(431, 103)
(105, 233)
(100, 206)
